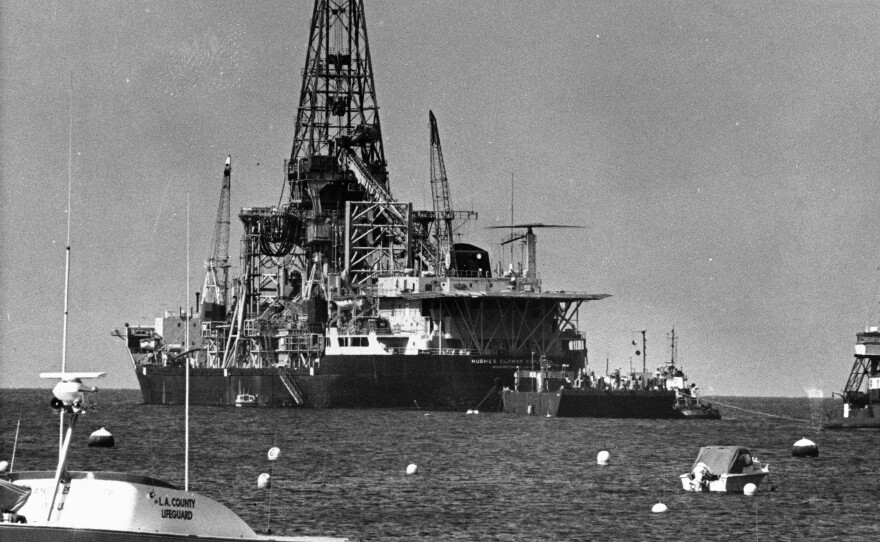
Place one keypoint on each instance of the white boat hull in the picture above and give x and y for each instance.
(97, 506)
(730, 483)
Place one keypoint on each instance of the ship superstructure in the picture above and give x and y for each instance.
(346, 296)
(861, 394)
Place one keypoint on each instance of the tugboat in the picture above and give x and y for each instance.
(553, 392)
(688, 404)
(861, 395)
(690, 407)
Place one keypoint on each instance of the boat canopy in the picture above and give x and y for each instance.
(724, 459)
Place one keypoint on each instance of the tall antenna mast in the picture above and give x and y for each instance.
(187, 322)
(67, 249)
(644, 351)
(511, 217)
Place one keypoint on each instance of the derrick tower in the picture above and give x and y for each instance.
(339, 227)
(337, 113)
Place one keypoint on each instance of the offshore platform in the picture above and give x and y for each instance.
(346, 296)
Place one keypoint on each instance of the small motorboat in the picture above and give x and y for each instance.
(245, 400)
(724, 468)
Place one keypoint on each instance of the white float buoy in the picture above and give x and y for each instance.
(4, 465)
(264, 481)
(469, 411)
(274, 453)
(412, 468)
(805, 448)
(603, 458)
(750, 489)
(659, 508)
(101, 439)
(476, 411)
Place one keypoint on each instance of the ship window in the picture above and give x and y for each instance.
(428, 287)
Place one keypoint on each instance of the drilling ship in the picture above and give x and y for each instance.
(347, 297)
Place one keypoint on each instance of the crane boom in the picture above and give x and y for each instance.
(216, 276)
(442, 208)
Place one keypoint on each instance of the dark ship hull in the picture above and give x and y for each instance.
(440, 382)
(578, 403)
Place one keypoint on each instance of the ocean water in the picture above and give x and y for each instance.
(489, 476)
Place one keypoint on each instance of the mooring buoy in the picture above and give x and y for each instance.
(101, 439)
(805, 448)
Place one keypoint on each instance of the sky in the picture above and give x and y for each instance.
(722, 159)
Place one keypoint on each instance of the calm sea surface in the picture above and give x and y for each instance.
(480, 477)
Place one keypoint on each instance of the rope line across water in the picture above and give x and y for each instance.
(761, 413)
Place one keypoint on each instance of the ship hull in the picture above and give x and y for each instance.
(397, 381)
(578, 403)
(859, 418)
(697, 414)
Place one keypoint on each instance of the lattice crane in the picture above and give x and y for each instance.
(443, 213)
(217, 273)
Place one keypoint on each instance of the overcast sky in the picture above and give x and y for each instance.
(721, 156)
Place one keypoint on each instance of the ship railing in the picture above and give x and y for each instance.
(448, 351)
(467, 274)
(307, 343)
(364, 331)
